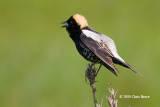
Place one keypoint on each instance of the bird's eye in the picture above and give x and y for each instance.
(71, 21)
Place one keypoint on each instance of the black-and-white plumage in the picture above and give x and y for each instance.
(94, 46)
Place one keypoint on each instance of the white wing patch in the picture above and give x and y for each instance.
(108, 41)
(92, 35)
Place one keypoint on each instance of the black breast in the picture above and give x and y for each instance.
(85, 51)
(75, 32)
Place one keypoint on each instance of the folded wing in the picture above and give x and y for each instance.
(104, 47)
(97, 46)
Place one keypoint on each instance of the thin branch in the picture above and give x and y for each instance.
(91, 75)
(94, 96)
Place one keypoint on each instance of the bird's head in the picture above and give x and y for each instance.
(75, 22)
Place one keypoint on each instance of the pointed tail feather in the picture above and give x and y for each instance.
(124, 64)
(128, 66)
(110, 69)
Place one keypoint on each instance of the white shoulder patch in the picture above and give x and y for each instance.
(107, 40)
(92, 35)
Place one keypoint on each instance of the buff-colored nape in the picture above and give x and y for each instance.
(81, 20)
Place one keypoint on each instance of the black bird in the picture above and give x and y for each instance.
(93, 46)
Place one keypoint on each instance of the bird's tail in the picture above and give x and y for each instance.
(124, 64)
(111, 69)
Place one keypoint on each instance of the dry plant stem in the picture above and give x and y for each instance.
(94, 96)
(91, 75)
(111, 99)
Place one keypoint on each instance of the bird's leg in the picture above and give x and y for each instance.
(93, 64)
(99, 68)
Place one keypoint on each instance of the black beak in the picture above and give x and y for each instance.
(64, 23)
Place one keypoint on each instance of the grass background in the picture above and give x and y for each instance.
(40, 66)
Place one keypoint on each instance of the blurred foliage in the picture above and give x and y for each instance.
(40, 66)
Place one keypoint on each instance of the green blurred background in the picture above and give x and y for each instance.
(40, 66)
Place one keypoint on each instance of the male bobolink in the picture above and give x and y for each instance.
(94, 46)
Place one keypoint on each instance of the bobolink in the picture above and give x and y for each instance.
(92, 45)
